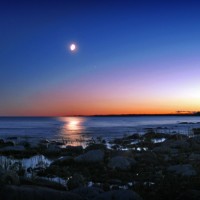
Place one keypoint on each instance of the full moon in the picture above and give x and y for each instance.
(72, 47)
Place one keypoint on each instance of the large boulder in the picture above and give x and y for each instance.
(92, 156)
(121, 163)
(35, 193)
(118, 195)
(184, 170)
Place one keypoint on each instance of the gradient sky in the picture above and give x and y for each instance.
(133, 57)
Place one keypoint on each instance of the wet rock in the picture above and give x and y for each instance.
(121, 163)
(184, 170)
(63, 160)
(119, 195)
(24, 143)
(135, 136)
(8, 177)
(44, 141)
(152, 135)
(95, 147)
(13, 148)
(74, 149)
(35, 193)
(88, 192)
(58, 143)
(47, 183)
(92, 156)
(52, 148)
(75, 181)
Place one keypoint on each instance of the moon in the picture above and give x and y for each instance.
(72, 47)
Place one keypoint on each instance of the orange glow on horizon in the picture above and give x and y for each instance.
(59, 104)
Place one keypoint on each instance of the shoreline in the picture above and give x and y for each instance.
(142, 166)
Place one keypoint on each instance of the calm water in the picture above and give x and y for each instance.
(73, 128)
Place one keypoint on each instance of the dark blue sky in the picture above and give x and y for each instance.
(120, 44)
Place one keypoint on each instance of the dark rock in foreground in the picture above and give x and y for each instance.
(35, 193)
(184, 170)
(119, 195)
(88, 192)
(92, 156)
(121, 163)
(8, 177)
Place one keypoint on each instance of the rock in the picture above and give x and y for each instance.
(178, 144)
(63, 160)
(75, 181)
(35, 193)
(194, 157)
(13, 148)
(88, 192)
(95, 147)
(147, 158)
(164, 149)
(121, 163)
(9, 143)
(194, 144)
(74, 149)
(44, 141)
(24, 143)
(8, 177)
(2, 142)
(12, 138)
(118, 195)
(196, 131)
(177, 136)
(190, 195)
(92, 156)
(184, 170)
(47, 183)
(52, 148)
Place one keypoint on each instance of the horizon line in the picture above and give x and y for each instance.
(111, 115)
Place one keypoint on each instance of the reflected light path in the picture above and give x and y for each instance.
(72, 130)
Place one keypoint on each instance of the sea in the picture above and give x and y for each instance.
(76, 129)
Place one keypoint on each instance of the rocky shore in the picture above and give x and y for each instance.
(152, 166)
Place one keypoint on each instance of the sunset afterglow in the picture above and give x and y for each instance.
(132, 58)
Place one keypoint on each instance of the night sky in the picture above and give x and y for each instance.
(132, 57)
